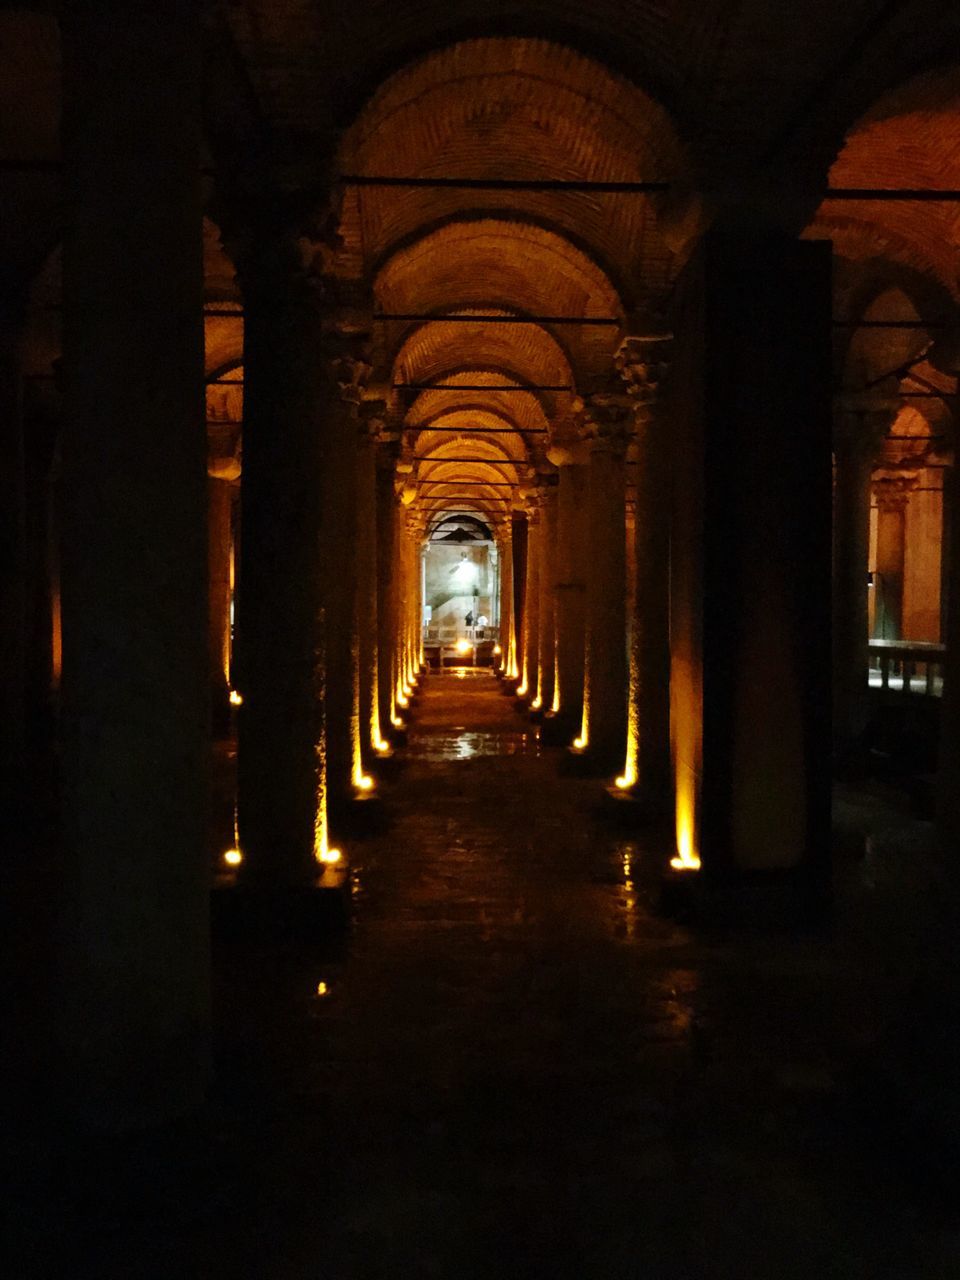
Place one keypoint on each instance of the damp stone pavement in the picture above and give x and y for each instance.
(510, 1065)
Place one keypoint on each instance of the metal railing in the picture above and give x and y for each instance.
(449, 635)
(910, 667)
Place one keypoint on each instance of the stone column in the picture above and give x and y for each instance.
(339, 552)
(400, 604)
(948, 775)
(132, 1001)
(642, 363)
(220, 556)
(892, 494)
(749, 401)
(408, 595)
(508, 648)
(604, 727)
(386, 586)
(547, 647)
(563, 723)
(856, 438)
(289, 391)
(367, 604)
(420, 570)
(531, 607)
(13, 556)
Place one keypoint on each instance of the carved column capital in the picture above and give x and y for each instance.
(643, 361)
(605, 419)
(862, 415)
(892, 489)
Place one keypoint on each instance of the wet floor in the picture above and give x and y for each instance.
(511, 1066)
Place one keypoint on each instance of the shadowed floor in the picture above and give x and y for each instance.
(511, 1066)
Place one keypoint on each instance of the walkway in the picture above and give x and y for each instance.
(518, 1070)
(512, 1068)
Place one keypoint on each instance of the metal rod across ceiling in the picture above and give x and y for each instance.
(411, 316)
(479, 386)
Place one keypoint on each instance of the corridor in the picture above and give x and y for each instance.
(507, 1064)
(514, 1067)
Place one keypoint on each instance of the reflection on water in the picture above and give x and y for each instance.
(468, 744)
(628, 853)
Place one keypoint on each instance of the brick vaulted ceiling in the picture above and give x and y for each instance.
(703, 93)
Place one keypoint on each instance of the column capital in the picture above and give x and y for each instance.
(532, 511)
(862, 415)
(892, 489)
(605, 419)
(281, 253)
(643, 361)
(388, 450)
(568, 449)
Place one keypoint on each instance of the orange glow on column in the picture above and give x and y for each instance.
(687, 743)
(629, 776)
(233, 857)
(322, 851)
(377, 741)
(687, 858)
(580, 743)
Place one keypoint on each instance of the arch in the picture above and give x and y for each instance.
(511, 107)
(910, 137)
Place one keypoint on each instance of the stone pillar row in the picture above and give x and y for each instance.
(130, 1009)
(643, 362)
(606, 421)
(892, 492)
(859, 426)
(529, 664)
(143, 557)
(547, 635)
(508, 642)
(564, 718)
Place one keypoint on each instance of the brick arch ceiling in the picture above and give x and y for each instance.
(909, 138)
(507, 265)
(487, 425)
(435, 443)
(501, 458)
(492, 410)
(874, 353)
(512, 108)
(527, 352)
(441, 457)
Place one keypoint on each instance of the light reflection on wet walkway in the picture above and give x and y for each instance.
(510, 1066)
(516, 1068)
